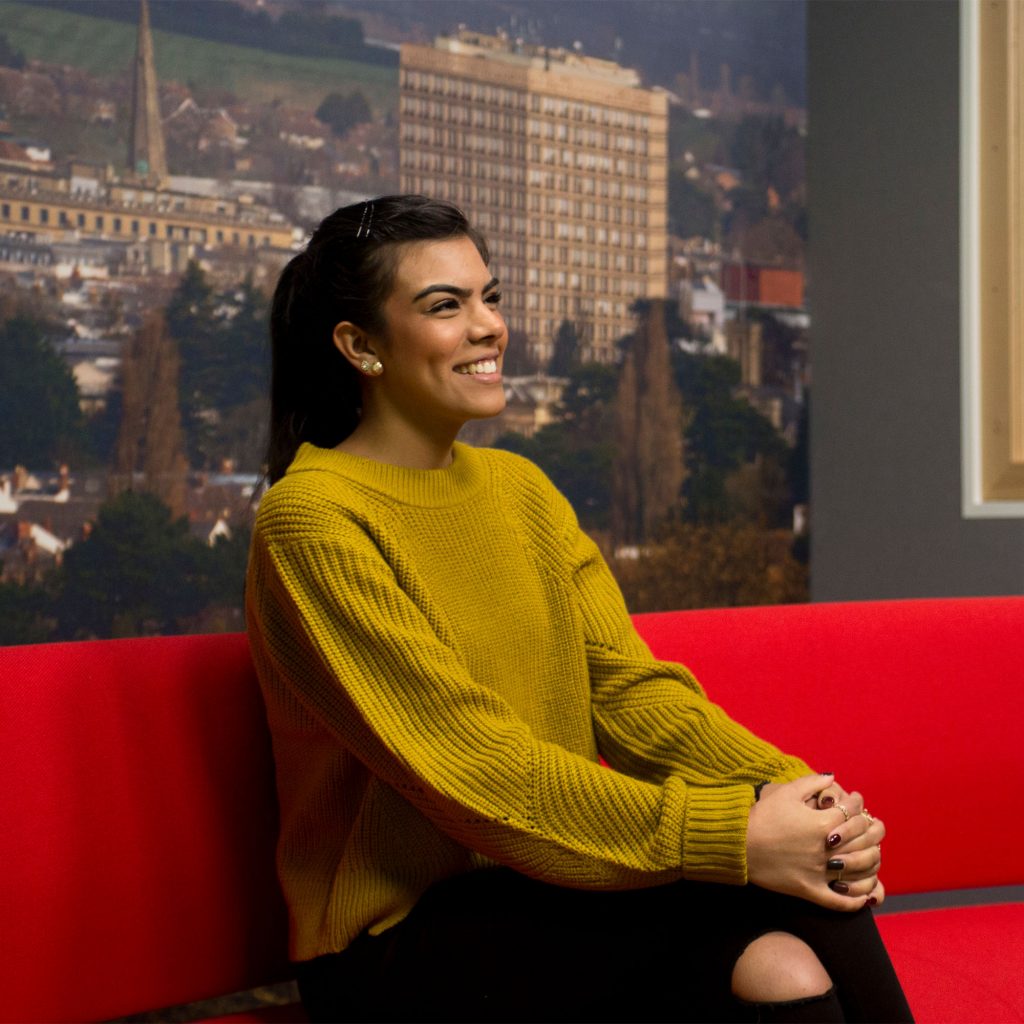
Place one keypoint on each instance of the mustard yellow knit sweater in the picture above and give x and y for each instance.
(444, 656)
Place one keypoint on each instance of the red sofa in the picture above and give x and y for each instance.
(137, 818)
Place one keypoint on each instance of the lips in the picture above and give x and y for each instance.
(480, 366)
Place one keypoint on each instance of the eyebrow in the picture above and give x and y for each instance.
(451, 289)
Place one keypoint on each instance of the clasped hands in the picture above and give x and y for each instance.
(810, 838)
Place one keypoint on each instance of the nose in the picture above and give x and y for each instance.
(488, 324)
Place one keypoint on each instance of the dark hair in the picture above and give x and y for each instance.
(346, 272)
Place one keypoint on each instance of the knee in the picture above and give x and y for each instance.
(779, 967)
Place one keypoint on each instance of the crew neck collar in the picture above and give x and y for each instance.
(453, 484)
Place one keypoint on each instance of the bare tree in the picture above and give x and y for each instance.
(150, 443)
(649, 470)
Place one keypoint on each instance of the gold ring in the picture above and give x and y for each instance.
(866, 815)
(846, 813)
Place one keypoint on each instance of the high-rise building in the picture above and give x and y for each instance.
(561, 160)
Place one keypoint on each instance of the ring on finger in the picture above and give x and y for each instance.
(846, 813)
(866, 815)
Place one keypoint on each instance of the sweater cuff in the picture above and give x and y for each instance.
(715, 833)
(793, 769)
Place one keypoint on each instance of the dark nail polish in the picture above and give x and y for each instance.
(827, 801)
(833, 840)
(826, 773)
(840, 887)
(872, 901)
(835, 864)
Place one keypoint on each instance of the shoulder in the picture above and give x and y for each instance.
(516, 473)
(312, 501)
(529, 493)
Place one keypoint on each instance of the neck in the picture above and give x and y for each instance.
(410, 449)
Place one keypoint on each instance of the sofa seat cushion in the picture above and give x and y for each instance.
(960, 964)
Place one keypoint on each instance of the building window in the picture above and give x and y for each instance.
(99, 221)
(80, 219)
(24, 213)
(152, 228)
(135, 227)
(62, 218)
(44, 216)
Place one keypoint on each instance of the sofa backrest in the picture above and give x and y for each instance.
(137, 828)
(915, 703)
(138, 815)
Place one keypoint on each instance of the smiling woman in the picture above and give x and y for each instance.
(446, 659)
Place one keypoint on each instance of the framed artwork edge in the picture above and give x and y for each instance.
(992, 259)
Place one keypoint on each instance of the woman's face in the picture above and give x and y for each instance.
(443, 338)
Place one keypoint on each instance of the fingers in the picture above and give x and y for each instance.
(836, 796)
(848, 891)
(862, 832)
(856, 864)
(810, 786)
(823, 896)
(857, 890)
(877, 894)
(829, 796)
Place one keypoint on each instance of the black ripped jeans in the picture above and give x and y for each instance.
(497, 946)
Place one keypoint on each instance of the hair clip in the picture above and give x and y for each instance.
(365, 221)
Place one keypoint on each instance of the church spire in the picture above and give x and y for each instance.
(146, 155)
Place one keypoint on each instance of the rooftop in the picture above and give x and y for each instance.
(511, 50)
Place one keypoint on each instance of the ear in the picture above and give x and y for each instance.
(353, 343)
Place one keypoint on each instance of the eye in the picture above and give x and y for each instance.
(444, 306)
(494, 298)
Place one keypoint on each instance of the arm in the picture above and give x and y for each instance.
(652, 718)
(361, 655)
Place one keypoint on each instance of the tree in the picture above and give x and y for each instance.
(192, 323)
(724, 433)
(9, 56)
(565, 351)
(225, 368)
(343, 113)
(150, 440)
(649, 465)
(712, 565)
(518, 360)
(771, 154)
(23, 614)
(42, 421)
(138, 573)
(691, 211)
(236, 382)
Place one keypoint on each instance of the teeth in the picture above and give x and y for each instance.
(483, 366)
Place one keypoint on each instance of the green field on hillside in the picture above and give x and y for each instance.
(106, 48)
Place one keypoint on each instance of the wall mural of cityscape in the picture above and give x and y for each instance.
(637, 167)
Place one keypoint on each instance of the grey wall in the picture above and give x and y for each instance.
(883, 184)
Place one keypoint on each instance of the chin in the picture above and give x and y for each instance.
(485, 413)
